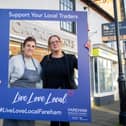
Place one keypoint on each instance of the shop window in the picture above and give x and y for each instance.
(68, 5)
(105, 75)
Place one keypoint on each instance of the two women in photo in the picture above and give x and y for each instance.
(55, 71)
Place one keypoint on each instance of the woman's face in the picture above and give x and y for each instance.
(55, 44)
(29, 48)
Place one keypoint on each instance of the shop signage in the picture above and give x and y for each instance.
(109, 34)
(105, 54)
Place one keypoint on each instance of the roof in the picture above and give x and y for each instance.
(98, 9)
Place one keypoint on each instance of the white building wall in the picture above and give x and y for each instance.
(80, 5)
(29, 4)
(94, 19)
(94, 23)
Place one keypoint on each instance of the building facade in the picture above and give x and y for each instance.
(103, 58)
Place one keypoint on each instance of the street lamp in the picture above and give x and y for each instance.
(121, 78)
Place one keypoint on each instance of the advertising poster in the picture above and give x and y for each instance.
(40, 103)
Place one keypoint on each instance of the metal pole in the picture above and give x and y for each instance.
(121, 78)
(124, 55)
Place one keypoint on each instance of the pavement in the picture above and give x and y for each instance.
(106, 115)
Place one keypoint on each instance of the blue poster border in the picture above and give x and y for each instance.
(76, 103)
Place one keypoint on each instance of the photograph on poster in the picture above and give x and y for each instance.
(42, 34)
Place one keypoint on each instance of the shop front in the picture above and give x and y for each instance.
(105, 75)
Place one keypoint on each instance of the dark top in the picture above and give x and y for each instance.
(59, 72)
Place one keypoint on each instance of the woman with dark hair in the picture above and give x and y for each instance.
(24, 72)
(58, 69)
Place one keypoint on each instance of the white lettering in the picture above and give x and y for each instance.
(52, 99)
(19, 98)
(32, 98)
